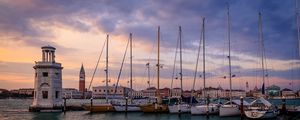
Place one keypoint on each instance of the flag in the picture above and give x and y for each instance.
(263, 88)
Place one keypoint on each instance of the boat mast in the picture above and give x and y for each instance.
(130, 61)
(148, 72)
(298, 28)
(203, 40)
(158, 65)
(106, 70)
(262, 50)
(229, 52)
(180, 51)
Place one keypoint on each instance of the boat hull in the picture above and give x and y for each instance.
(229, 110)
(256, 114)
(154, 108)
(130, 108)
(181, 108)
(99, 108)
(204, 109)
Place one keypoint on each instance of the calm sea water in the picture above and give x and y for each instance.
(17, 109)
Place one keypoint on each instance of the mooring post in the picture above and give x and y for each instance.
(91, 108)
(242, 107)
(126, 104)
(207, 108)
(65, 104)
(283, 108)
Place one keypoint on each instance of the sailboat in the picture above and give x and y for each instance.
(207, 108)
(127, 107)
(230, 108)
(106, 107)
(156, 107)
(296, 109)
(179, 107)
(261, 108)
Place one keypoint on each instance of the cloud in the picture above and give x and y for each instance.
(35, 23)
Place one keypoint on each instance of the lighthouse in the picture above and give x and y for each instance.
(47, 82)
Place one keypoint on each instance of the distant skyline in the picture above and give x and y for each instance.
(78, 30)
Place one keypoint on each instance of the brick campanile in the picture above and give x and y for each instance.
(82, 79)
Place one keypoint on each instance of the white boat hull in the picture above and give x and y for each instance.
(229, 110)
(256, 114)
(181, 108)
(130, 108)
(204, 109)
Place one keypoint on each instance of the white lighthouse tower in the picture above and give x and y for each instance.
(47, 82)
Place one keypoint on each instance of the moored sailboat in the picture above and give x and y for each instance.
(231, 108)
(156, 107)
(106, 107)
(179, 107)
(261, 108)
(207, 108)
(128, 106)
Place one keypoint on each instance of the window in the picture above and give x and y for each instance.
(95, 90)
(35, 74)
(45, 74)
(34, 94)
(56, 74)
(45, 94)
(56, 94)
(99, 90)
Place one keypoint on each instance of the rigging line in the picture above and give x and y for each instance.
(174, 65)
(96, 67)
(120, 72)
(197, 61)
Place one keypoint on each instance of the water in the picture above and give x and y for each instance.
(17, 109)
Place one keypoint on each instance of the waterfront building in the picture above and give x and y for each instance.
(287, 93)
(3, 91)
(234, 93)
(176, 92)
(82, 79)
(149, 92)
(26, 91)
(47, 82)
(137, 94)
(212, 92)
(100, 91)
(273, 91)
(238, 93)
(71, 93)
(186, 93)
(165, 92)
(255, 93)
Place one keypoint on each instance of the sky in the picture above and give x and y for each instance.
(78, 29)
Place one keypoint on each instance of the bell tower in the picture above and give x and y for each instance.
(82, 79)
(47, 82)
